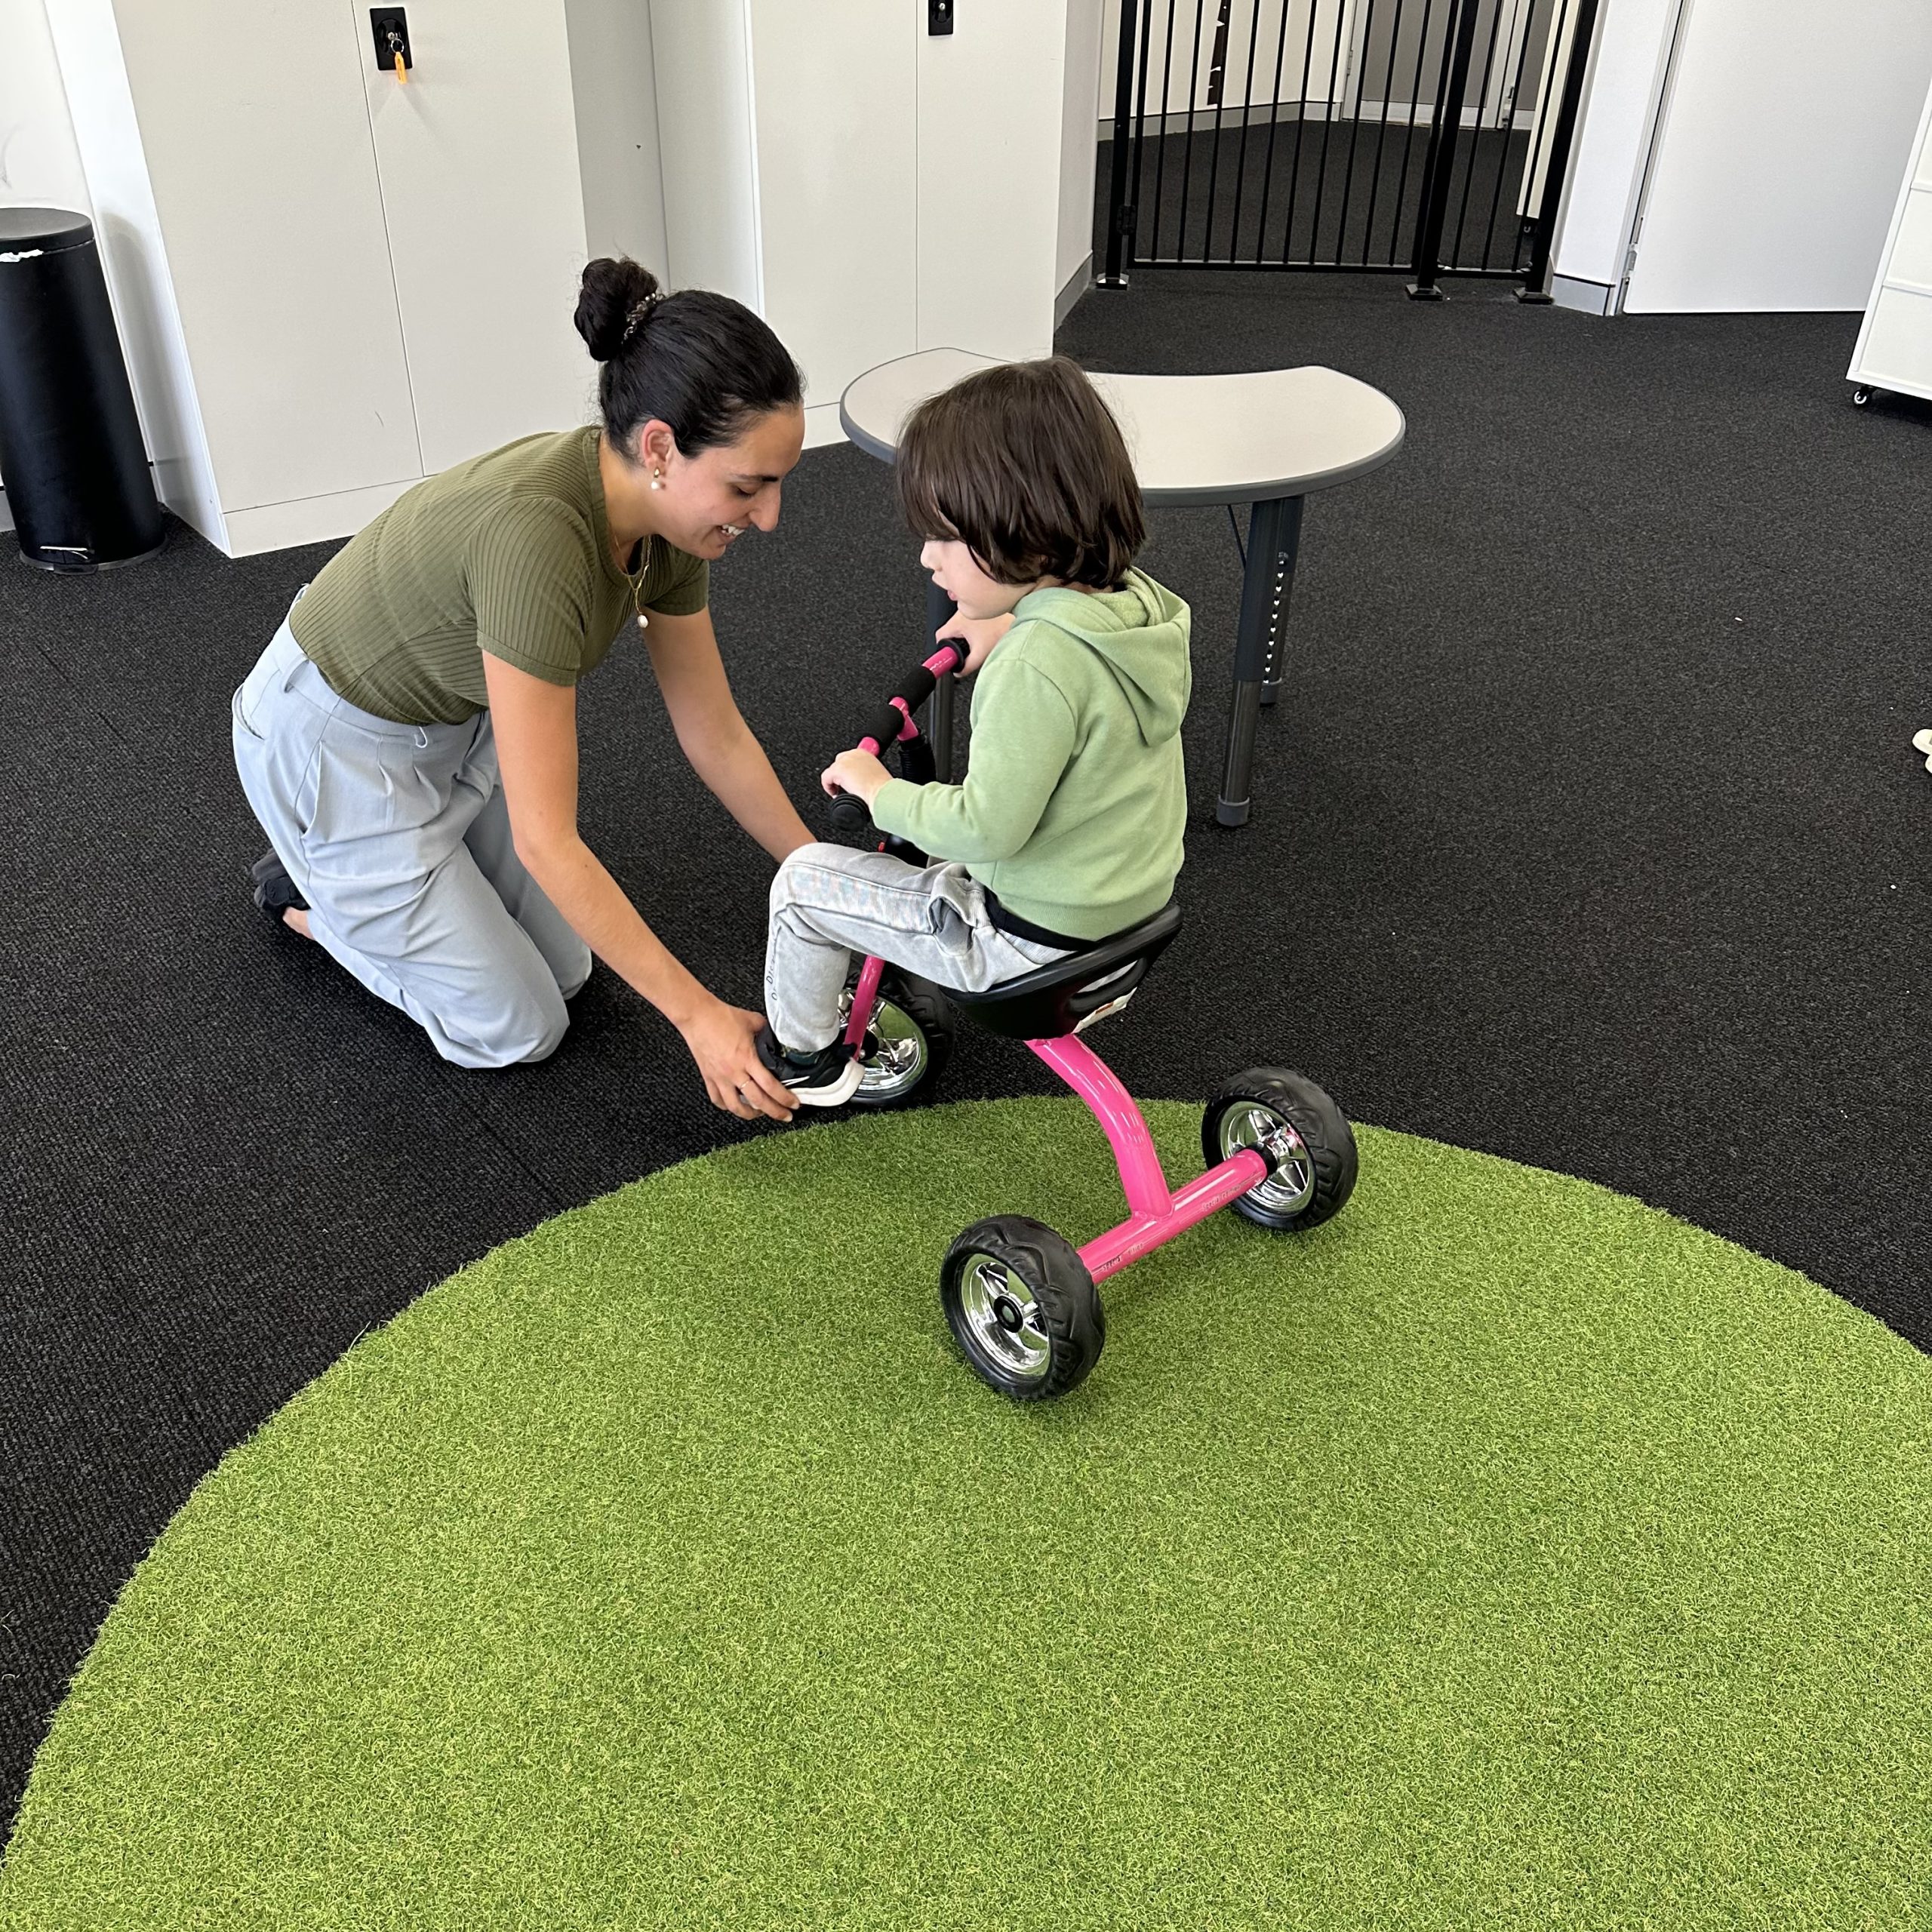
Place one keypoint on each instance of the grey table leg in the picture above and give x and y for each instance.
(1274, 537)
(939, 608)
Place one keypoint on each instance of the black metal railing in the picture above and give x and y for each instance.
(1427, 138)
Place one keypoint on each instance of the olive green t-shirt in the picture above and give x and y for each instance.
(509, 553)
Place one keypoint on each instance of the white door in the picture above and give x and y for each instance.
(484, 210)
(835, 103)
(267, 193)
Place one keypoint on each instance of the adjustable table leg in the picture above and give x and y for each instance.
(1273, 538)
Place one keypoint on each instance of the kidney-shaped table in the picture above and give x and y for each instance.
(1266, 438)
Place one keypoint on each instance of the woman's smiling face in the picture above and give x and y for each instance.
(709, 500)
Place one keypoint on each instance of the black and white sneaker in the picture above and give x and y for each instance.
(827, 1079)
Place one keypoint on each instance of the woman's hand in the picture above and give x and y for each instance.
(856, 772)
(722, 1040)
(979, 634)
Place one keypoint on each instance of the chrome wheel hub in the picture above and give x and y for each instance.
(1003, 1319)
(893, 1059)
(1289, 1186)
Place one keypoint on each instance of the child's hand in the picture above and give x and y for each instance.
(979, 634)
(856, 772)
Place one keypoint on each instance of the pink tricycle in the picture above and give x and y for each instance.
(1024, 1302)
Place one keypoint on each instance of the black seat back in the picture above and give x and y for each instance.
(1059, 999)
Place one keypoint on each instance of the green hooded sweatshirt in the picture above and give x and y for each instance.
(1074, 799)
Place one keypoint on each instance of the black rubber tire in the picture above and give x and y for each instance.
(928, 1009)
(1050, 1266)
(1323, 1129)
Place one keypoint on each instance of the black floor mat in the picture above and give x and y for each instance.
(1587, 832)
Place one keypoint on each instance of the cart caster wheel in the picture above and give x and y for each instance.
(1299, 1130)
(906, 1046)
(1023, 1307)
(1862, 396)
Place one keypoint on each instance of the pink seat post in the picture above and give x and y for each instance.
(1155, 1215)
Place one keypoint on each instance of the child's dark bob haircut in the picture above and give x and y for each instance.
(1024, 464)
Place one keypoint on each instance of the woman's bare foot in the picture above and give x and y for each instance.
(297, 920)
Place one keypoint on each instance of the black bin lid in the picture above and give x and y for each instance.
(43, 231)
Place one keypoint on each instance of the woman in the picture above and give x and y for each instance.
(408, 739)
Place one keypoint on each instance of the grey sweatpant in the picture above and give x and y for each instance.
(399, 837)
(829, 902)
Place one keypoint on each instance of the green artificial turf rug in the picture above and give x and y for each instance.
(1502, 1554)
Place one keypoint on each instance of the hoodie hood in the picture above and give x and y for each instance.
(1140, 633)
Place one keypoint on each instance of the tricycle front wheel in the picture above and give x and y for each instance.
(906, 1045)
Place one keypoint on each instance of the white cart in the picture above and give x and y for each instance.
(1895, 345)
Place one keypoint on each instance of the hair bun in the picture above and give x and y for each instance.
(611, 291)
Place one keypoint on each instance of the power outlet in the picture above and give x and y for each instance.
(389, 27)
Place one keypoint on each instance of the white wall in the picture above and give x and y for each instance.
(40, 166)
(613, 76)
(871, 189)
(1784, 138)
(840, 233)
(990, 152)
(1080, 111)
(127, 229)
(708, 155)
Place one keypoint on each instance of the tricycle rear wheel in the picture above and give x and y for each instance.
(1295, 1127)
(1022, 1308)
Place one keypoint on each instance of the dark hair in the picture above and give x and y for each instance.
(1025, 465)
(700, 362)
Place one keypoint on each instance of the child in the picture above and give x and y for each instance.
(1068, 827)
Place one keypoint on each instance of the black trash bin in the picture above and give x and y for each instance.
(71, 453)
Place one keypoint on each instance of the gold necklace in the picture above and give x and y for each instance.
(637, 583)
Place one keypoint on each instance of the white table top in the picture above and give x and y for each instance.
(1195, 439)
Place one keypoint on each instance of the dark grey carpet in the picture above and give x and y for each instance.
(1587, 833)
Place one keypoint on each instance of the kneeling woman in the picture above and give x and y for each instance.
(408, 739)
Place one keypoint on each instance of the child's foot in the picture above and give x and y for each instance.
(826, 1078)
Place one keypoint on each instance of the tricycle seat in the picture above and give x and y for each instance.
(1073, 992)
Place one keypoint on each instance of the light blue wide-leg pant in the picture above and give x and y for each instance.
(399, 837)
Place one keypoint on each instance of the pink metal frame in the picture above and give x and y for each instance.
(1154, 1214)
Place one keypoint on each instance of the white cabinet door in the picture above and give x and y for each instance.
(478, 160)
(835, 105)
(989, 153)
(257, 147)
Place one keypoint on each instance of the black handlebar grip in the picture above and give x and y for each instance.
(916, 687)
(850, 821)
(884, 725)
